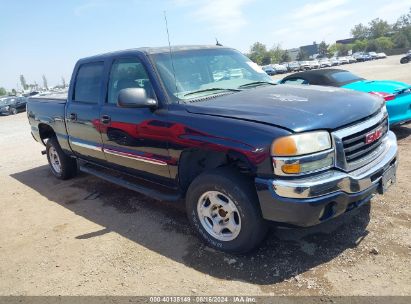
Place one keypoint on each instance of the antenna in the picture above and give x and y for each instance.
(171, 54)
(217, 42)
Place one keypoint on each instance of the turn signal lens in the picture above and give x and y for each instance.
(284, 146)
(291, 168)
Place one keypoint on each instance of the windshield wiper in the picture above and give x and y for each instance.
(256, 83)
(212, 89)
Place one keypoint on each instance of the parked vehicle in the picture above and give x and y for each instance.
(397, 95)
(325, 63)
(335, 61)
(279, 68)
(351, 59)
(12, 105)
(406, 58)
(361, 56)
(381, 55)
(241, 151)
(269, 70)
(294, 66)
(343, 60)
(304, 65)
(314, 64)
(286, 65)
(373, 55)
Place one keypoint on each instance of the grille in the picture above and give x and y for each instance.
(355, 146)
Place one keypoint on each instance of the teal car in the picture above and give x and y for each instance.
(397, 95)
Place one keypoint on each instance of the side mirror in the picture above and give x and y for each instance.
(135, 98)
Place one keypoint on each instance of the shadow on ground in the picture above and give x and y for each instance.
(163, 228)
(402, 132)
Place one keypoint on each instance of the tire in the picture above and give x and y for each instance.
(12, 111)
(404, 60)
(62, 166)
(232, 190)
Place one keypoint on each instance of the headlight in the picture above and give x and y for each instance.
(300, 144)
(384, 110)
(302, 153)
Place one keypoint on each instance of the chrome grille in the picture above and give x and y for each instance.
(355, 146)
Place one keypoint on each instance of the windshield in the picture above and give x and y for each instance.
(205, 72)
(345, 77)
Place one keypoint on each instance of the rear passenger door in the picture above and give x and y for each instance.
(135, 139)
(83, 112)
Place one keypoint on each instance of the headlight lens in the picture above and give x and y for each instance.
(300, 144)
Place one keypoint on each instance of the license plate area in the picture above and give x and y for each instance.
(388, 179)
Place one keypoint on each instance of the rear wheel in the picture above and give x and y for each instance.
(223, 208)
(61, 165)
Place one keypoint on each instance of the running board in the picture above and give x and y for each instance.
(157, 195)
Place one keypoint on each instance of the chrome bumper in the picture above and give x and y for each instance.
(337, 181)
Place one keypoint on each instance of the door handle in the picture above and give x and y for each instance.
(105, 119)
(73, 116)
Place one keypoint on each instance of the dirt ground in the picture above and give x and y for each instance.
(88, 237)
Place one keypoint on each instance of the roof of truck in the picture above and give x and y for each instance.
(155, 50)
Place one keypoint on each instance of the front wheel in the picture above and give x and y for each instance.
(61, 165)
(222, 206)
(404, 60)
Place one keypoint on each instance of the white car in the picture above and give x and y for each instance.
(381, 55)
(314, 64)
(335, 61)
(325, 63)
(343, 60)
(351, 59)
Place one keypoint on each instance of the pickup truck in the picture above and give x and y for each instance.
(206, 125)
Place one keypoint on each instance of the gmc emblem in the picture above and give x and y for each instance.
(373, 136)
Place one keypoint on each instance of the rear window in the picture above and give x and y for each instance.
(344, 77)
(88, 82)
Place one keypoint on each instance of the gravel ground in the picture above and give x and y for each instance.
(88, 237)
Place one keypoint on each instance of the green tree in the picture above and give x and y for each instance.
(45, 82)
(403, 21)
(276, 53)
(343, 49)
(360, 45)
(63, 81)
(384, 44)
(285, 57)
(332, 49)
(3, 91)
(23, 82)
(323, 49)
(13, 92)
(379, 28)
(259, 54)
(400, 40)
(360, 31)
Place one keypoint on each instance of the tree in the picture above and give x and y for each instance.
(45, 82)
(63, 81)
(379, 28)
(259, 54)
(400, 40)
(360, 31)
(384, 44)
(285, 57)
(359, 45)
(13, 92)
(323, 49)
(343, 49)
(3, 91)
(23, 82)
(302, 55)
(403, 21)
(276, 53)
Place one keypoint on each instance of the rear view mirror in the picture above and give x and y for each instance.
(135, 98)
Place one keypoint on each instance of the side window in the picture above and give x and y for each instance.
(88, 82)
(127, 73)
(296, 81)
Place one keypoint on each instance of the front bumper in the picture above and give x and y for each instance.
(311, 200)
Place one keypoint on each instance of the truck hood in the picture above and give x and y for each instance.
(295, 107)
(386, 86)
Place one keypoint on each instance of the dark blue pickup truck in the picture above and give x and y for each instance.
(205, 124)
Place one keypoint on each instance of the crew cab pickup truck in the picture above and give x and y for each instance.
(205, 124)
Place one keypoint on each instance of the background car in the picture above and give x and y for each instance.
(406, 58)
(305, 65)
(314, 64)
(343, 60)
(381, 55)
(325, 63)
(335, 61)
(351, 59)
(279, 68)
(397, 95)
(12, 105)
(294, 66)
(269, 70)
(360, 56)
(373, 55)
